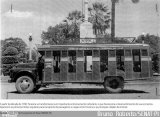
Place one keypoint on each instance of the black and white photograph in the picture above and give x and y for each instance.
(80, 49)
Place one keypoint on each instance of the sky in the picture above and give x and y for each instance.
(35, 16)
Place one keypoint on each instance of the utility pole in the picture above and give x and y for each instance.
(11, 8)
(158, 30)
(113, 2)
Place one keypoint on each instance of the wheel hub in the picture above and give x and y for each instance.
(114, 84)
(24, 85)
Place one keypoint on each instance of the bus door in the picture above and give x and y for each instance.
(48, 67)
(56, 65)
(103, 63)
(136, 63)
(96, 66)
(88, 65)
(72, 65)
(64, 66)
(112, 63)
(145, 63)
(128, 63)
(80, 66)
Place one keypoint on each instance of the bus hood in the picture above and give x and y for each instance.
(26, 65)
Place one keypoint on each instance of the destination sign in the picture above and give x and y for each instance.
(87, 40)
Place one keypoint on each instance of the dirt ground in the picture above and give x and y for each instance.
(133, 90)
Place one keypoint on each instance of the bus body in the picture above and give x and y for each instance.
(107, 64)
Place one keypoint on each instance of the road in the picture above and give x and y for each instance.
(135, 90)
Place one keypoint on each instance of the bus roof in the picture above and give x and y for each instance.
(92, 46)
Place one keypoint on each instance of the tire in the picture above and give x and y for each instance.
(113, 84)
(36, 88)
(25, 84)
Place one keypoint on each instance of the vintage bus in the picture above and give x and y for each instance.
(107, 64)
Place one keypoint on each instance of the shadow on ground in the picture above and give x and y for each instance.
(81, 91)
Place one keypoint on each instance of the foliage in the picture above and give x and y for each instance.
(155, 60)
(152, 40)
(69, 30)
(18, 43)
(54, 35)
(65, 32)
(99, 17)
(10, 51)
(9, 59)
(75, 16)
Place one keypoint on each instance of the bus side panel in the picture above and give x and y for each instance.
(80, 71)
(136, 75)
(96, 71)
(72, 76)
(63, 71)
(88, 76)
(103, 75)
(48, 74)
(151, 71)
(128, 69)
(48, 71)
(112, 68)
(145, 69)
(56, 77)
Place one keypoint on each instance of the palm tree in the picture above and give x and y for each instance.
(74, 18)
(100, 17)
(113, 16)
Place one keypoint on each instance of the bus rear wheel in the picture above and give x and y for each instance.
(113, 84)
(25, 84)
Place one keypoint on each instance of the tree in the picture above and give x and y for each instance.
(10, 51)
(152, 40)
(73, 21)
(54, 35)
(64, 33)
(113, 2)
(17, 43)
(100, 17)
(75, 16)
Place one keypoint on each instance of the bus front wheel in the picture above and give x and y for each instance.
(25, 84)
(114, 84)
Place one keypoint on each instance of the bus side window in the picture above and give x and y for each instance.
(128, 53)
(120, 59)
(144, 52)
(112, 53)
(72, 61)
(88, 61)
(103, 60)
(136, 60)
(48, 54)
(56, 61)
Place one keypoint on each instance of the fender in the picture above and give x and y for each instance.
(29, 72)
